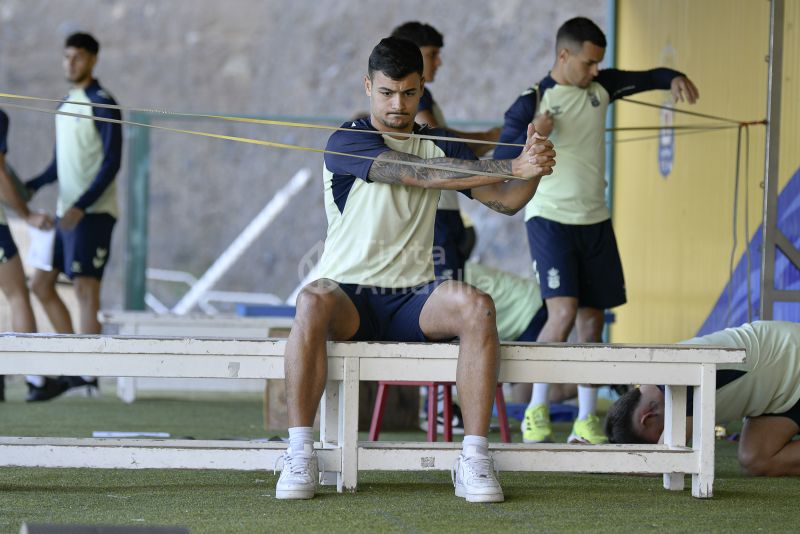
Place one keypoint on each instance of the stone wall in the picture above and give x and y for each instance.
(296, 59)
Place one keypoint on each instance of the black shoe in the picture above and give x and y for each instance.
(81, 387)
(457, 423)
(53, 387)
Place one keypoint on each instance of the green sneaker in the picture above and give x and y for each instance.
(536, 426)
(589, 431)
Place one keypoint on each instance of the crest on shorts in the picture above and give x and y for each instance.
(100, 257)
(553, 279)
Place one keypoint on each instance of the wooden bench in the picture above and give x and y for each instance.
(676, 366)
(141, 323)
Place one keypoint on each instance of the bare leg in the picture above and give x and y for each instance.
(13, 285)
(561, 313)
(589, 326)
(766, 447)
(323, 312)
(87, 289)
(43, 286)
(457, 309)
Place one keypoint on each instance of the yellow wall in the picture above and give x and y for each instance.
(675, 234)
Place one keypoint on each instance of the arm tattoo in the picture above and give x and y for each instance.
(393, 167)
(499, 207)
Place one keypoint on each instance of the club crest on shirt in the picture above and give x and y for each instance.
(553, 279)
(594, 99)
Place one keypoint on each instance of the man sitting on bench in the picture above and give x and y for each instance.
(377, 280)
(764, 391)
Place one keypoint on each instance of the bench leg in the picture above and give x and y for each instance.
(447, 412)
(502, 417)
(433, 400)
(126, 389)
(348, 426)
(674, 429)
(377, 412)
(703, 432)
(329, 427)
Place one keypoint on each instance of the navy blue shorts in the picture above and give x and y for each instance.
(582, 261)
(8, 249)
(84, 250)
(449, 235)
(389, 314)
(531, 333)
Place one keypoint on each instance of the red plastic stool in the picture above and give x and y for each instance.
(433, 389)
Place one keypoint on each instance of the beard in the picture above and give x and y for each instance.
(397, 122)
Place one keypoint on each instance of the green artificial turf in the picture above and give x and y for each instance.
(230, 501)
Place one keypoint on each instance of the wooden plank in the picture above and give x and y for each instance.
(546, 352)
(149, 454)
(151, 365)
(33, 343)
(584, 372)
(150, 323)
(539, 458)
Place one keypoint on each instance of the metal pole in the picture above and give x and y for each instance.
(772, 159)
(242, 242)
(136, 227)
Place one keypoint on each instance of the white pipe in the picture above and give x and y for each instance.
(154, 304)
(242, 242)
(166, 275)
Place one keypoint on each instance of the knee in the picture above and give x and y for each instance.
(313, 302)
(563, 314)
(753, 464)
(15, 293)
(478, 311)
(42, 289)
(84, 293)
(590, 326)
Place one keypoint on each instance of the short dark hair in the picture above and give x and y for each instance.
(577, 31)
(420, 34)
(396, 58)
(83, 40)
(619, 420)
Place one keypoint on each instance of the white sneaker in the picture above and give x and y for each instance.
(475, 480)
(299, 475)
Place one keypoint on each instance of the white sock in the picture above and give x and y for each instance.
(35, 380)
(299, 437)
(539, 394)
(587, 401)
(475, 446)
